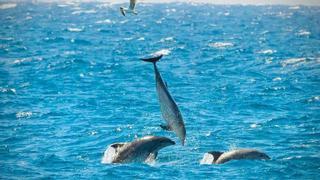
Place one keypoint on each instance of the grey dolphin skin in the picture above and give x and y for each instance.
(169, 109)
(141, 150)
(216, 157)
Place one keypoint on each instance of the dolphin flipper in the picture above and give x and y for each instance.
(122, 10)
(166, 127)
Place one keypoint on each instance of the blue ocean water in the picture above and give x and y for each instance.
(71, 83)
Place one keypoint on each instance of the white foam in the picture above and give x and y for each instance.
(108, 155)
(221, 44)
(277, 79)
(8, 90)
(8, 5)
(208, 134)
(23, 114)
(92, 133)
(6, 38)
(26, 60)
(128, 39)
(171, 10)
(166, 39)
(123, 22)
(267, 51)
(162, 51)
(103, 5)
(294, 7)
(160, 20)
(314, 99)
(75, 29)
(207, 159)
(141, 39)
(62, 5)
(106, 21)
(304, 33)
(293, 61)
(28, 17)
(91, 11)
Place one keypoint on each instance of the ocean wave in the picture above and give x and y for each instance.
(304, 33)
(221, 45)
(28, 18)
(294, 7)
(123, 22)
(292, 61)
(75, 29)
(80, 41)
(63, 5)
(26, 60)
(23, 114)
(160, 20)
(8, 5)
(277, 79)
(314, 99)
(6, 38)
(267, 51)
(103, 5)
(166, 39)
(162, 51)
(8, 90)
(128, 38)
(106, 21)
(78, 12)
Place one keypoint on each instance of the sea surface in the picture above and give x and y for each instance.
(71, 83)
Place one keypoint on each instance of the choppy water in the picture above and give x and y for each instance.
(71, 83)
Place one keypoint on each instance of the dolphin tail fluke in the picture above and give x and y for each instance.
(153, 59)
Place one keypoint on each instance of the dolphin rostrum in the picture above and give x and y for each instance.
(216, 157)
(141, 150)
(169, 109)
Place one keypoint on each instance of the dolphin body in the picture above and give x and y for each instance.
(169, 109)
(216, 157)
(141, 150)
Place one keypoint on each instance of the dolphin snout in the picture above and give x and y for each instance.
(167, 141)
(267, 157)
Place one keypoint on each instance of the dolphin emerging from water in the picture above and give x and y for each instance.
(216, 157)
(130, 9)
(141, 150)
(169, 109)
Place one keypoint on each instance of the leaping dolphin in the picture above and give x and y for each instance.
(130, 9)
(169, 109)
(141, 150)
(216, 157)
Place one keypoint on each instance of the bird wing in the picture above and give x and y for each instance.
(132, 4)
